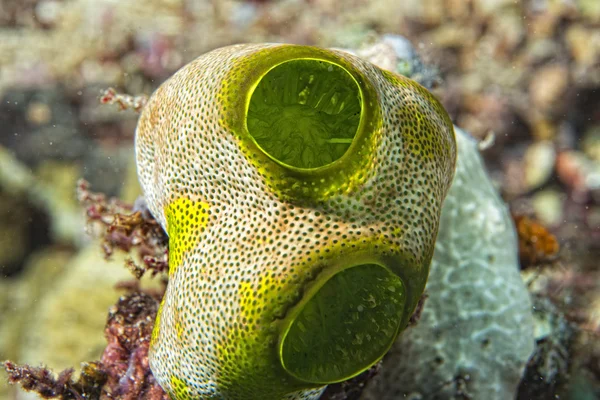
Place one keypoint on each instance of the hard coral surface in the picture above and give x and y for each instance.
(125, 359)
(49, 385)
(475, 334)
(122, 373)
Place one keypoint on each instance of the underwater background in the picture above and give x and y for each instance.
(522, 77)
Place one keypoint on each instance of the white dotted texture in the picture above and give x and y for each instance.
(475, 334)
(211, 335)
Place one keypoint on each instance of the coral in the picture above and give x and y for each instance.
(122, 373)
(275, 254)
(84, 292)
(548, 368)
(78, 298)
(127, 332)
(23, 296)
(475, 334)
(126, 227)
(536, 244)
(49, 190)
(48, 385)
(125, 359)
(124, 101)
(15, 232)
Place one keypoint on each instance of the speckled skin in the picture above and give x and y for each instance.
(475, 334)
(248, 236)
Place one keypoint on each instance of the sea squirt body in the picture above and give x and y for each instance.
(301, 190)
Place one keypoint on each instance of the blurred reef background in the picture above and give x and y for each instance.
(521, 76)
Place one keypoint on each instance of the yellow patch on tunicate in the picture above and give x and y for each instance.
(180, 389)
(249, 304)
(156, 329)
(179, 329)
(186, 220)
(179, 318)
(422, 115)
(248, 346)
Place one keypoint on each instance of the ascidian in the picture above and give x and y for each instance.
(301, 190)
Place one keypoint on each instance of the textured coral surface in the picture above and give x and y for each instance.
(475, 334)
